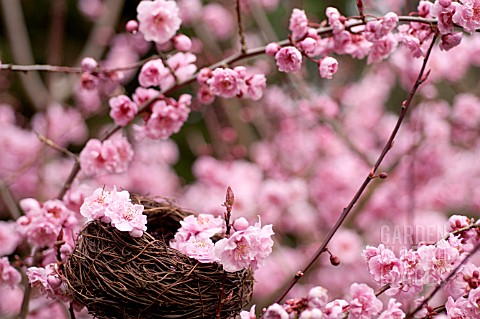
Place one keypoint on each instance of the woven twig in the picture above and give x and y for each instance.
(118, 276)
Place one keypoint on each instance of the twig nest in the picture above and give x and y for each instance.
(116, 275)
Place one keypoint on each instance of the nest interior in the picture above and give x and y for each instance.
(118, 276)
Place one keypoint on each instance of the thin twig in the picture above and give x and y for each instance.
(243, 41)
(55, 146)
(36, 255)
(405, 106)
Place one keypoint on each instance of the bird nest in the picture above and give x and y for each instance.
(116, 275)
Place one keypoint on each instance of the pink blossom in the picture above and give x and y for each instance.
(248, 314)
(450, 40)
(439, 260)
(183, 65)
(48, 281)
(247, 248)
(385, 267)
(110, 156)
(126, 216)
(182, 42)
(158, 20)
(275, 311)
(444, 11)
(143, 95)
(335, 309)
(167, 118)
(153, 72)
(335, 19)
(393, 311)
(201, 249)
(376, 30)
(88, 64)
(272, 48)
(123, 110)
(309, 46)
(131, 26)
(205, 96)
(298, 24)
(289, 59)
(8, 274)
(328, 67)
(465, 280)
(467, 15)
(317, 297)
(382, 48)
(203, 226)
(364, 303)
(96, 205)
(473, 304)
(224, 82)
(458, 309)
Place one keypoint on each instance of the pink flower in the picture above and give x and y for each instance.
(182, 42)
(450, 40)
(275, 311)
(202, 226)
(473, 304)
(458, 309)
(335, 309)
(183, 65)
(364, 303)
(158, 20)
(272, 48)
(298, 24)
(201, 249)
(167, 118)
(385, 267)
(123, 110)
(444, 11)
(248, 314)
(317, 297)
(8, 274)
(224, 82)
(335, 19)
(328, 67)
(111, 156)
(95, 206)
(464, 281)
(382, 48)
(152, 72)
(205, 96)
(375, 30)
(439, 260)
(467, 15)
(126, 216)
(393, 311)
(247, 248)
(289, 59)
(48, 281)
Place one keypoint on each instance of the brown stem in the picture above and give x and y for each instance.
(420, 79)
(243, 41)
(55, 146)
(36, 255)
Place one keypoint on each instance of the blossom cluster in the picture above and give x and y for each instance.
(246, 247)
(362, 304)
(106, 157)
(115, 207)
(44, 222)
(49, 281)
(228, 83)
